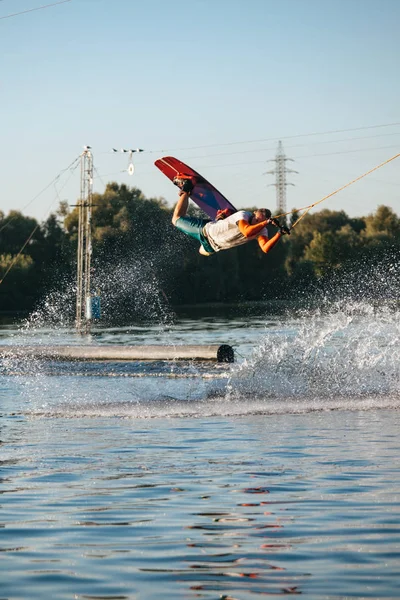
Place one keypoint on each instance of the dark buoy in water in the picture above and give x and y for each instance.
(225, 354)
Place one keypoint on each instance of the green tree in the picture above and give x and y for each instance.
(17, 289)
(139, 259)
(15, 230)
(383, 223)
(331, 250)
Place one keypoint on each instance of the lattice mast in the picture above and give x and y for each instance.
(280, 171)
(84, 253)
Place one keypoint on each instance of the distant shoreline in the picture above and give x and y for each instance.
(251, 309)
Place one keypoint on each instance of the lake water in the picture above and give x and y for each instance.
(277, 475)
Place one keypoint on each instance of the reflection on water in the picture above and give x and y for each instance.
(212, 508)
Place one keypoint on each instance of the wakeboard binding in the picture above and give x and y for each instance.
(185, 183)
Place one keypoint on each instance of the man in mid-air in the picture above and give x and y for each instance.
(227, 230)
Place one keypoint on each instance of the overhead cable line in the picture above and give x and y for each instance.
(52, 182)
(348, 151)
(33, 9)
(278, 137)
(283, 137)
(352, 139)
(19, 253)
(99, 176)
(13, 262)
(254, 162)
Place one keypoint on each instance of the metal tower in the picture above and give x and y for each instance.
(280, 172)
(83, 296)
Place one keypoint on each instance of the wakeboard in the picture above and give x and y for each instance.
(204, 194)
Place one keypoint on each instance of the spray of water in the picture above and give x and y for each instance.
(342, 351)
(348, 346)
(131, 292)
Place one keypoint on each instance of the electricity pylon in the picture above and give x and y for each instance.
(280, 172)
(83, 296)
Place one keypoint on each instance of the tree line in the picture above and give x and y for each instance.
(141, 262)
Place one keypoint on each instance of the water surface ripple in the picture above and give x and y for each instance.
(206, 508)
(275, 476)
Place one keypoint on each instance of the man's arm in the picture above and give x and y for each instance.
(250, 230)
(181, 207)
(267, 244)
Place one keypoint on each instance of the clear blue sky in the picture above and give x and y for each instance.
(202, 80)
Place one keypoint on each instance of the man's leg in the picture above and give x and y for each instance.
(191, 226)
(181, 207)
(204, 252)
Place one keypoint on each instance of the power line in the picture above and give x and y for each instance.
(253, 162)
(75, 163)
(283, 137)
(148, 168)
(348, 151)
(277, 138)
(15, 259)
(33, 9)
(305, 145)
(10, 266)
(52, 182)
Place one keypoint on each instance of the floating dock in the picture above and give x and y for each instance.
(216, 353)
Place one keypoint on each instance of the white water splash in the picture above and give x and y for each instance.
(353, 350)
